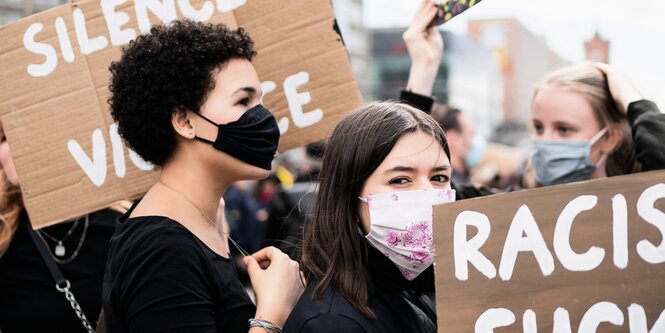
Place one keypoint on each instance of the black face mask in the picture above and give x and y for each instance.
(252, 139)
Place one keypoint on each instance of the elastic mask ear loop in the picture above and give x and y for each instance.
(594, 140)
(206, 119)
(210, 121)
(598, 136)
(359, 224)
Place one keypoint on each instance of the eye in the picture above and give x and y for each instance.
(564, 131)
(538, 127)
(399, 181)
(244, 101)
(440, 178)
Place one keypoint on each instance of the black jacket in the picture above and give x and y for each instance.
(399, 305)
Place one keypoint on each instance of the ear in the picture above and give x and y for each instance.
(183, 123)
(613, 137)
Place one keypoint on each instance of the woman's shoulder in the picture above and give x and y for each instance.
(330, 313)
(157, 231)
(140, 237)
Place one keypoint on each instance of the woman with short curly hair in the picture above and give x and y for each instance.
(187, 99)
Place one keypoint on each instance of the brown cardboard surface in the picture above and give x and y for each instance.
(461, 302)
(297, 48)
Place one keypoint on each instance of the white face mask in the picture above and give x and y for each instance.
(401, 227)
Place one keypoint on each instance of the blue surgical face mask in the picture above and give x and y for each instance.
(560, 162)
(477, 151)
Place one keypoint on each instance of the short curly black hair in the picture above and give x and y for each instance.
(169, 69)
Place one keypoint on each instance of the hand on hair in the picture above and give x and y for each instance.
(277, 282)
(622, 88)
(425, 47)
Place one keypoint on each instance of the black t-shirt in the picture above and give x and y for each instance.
(29, 301)
(161, 278)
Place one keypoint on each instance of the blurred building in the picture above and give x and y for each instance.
(597, 49)
(469, 76)
(524, 59)
(349, 15)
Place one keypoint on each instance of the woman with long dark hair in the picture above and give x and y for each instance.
(367, 254)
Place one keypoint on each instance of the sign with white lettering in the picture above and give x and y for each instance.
(54, 67)
(580, 257)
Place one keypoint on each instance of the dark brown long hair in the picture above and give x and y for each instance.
(333, 249)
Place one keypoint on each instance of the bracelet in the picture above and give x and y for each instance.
(266, 325)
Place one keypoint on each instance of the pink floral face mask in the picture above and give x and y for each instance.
(401, 227)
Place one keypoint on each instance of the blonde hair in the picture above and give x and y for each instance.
(591, 83)
(11, 205)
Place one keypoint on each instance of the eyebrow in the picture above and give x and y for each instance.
(564, 123)
(411, 169)
(249, 90)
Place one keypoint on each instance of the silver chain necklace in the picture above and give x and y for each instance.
(56, 257)
(208, 219)
(60, 250)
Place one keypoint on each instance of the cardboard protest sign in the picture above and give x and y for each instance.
(69, 156)
(570, 258)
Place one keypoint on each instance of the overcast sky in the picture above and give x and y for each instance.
(636, 29)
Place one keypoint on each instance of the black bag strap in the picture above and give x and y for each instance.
(61, 284)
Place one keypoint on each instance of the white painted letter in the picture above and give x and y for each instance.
(296, 100)
(599, 313)
(493, 318)
(86, 44)
(139, 162)
(165, 11)
(561, 321)
(524, 224)
(44, 49)
(620, 231)
(118, 151)
(229, 5)
(469, 251)
(115, 21)
(94, 168)
(647, 210)
(529, 324)
(199, 15)
(568, 258)
(268, 87)
(63, 38)
(637, 320)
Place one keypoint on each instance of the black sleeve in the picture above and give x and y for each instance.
(331, 323)
(647, 124)
(168, 287)
(468, 191)
(421, 102)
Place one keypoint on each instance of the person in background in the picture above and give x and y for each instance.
(590, 122)
(29, 300)
(466, 146)
(187, 99)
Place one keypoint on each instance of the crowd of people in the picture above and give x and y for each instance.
(314, 241)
